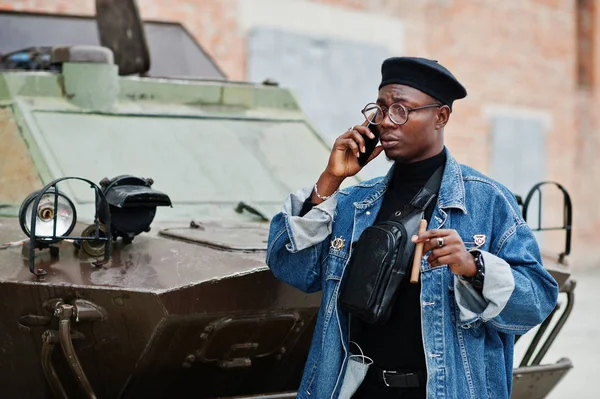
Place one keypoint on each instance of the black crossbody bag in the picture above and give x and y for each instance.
(381, 258)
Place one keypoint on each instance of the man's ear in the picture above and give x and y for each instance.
(443, 115)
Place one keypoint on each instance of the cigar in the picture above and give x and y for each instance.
(416, 266)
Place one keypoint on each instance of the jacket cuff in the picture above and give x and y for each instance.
(498, 286)
(312, 228)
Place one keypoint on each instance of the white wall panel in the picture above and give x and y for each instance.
(330, 57)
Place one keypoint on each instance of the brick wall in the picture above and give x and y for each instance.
(511, 55)
(517, 55)
(514, 56)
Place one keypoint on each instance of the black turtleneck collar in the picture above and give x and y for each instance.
(417, 172)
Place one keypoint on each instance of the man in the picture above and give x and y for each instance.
(481, 283)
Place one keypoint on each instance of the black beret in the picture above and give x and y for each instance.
(426, 75)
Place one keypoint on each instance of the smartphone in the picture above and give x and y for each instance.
(370, 145)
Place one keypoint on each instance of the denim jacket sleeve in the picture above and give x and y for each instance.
(518, 293)
(297, 245)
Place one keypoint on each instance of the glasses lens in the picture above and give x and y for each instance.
(398, 113)
(44, 226)
(373, 113)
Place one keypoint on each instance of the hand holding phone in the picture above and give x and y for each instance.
(348, 149)
(370, 144)
(347, 158)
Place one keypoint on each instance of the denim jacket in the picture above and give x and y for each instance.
(468, 337)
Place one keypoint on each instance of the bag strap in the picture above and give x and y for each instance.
(433, 183)
(425, 195)
(429, 191)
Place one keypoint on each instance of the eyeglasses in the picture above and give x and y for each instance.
(398, 113)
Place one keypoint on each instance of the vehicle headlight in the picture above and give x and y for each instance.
(132, 203)
(55, 216)
(48, 216)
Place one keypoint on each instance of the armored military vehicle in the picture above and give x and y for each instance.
(186, 309)
(134, 224)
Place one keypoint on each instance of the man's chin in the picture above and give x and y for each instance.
(395, 156)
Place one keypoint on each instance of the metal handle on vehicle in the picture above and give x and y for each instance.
(80, 310)
(64, 312)
(50, 339)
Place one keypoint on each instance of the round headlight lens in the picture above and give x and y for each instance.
(45, 213)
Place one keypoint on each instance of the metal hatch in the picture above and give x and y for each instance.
(236, 237)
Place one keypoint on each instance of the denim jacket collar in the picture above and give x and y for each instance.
(452, 190)
(451, 194)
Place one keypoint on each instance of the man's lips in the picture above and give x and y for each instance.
(388, 142)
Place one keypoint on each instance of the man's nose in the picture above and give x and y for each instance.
(387, 122)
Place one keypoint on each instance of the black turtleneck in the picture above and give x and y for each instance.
(406, 181)
(398, 345)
